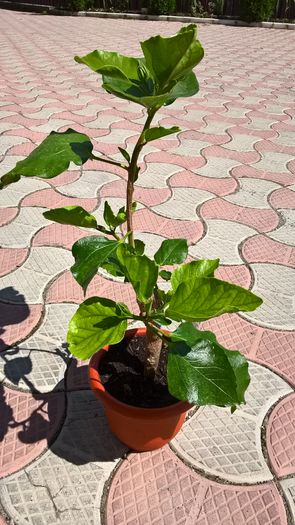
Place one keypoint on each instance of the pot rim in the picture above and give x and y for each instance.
(97, 386)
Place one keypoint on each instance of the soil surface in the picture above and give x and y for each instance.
(121, 372)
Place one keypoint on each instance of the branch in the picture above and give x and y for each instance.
(107, 161)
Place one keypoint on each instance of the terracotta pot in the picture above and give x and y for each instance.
(139, 428)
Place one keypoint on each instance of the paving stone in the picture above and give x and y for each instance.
(156, 487)
(275, 284)
(51, 198)
(280, 437)
(65, 485)
(11, 258)
(103, 121)
(7, 215)
(7, 142)
(259, 123)
(190, 148)
(222, 240)
(187, 179)
(228, 445)
(262, 249)
(283, 198)
(253, 193)
(238, 274)
(216, 167)
(88, 184)
(61, 235)
(241, 142)
(28, 425)
(16, 321)
(156, 175)
(149, 222)
(288, 486)
(38, 364)
(276, 349)
(12, 195)
(216, 126)
(273, 162)
(28, 282)
(285, 233)
(19, 232)
(183, 203)
(51, 125)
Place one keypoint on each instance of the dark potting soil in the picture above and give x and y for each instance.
(121, 373)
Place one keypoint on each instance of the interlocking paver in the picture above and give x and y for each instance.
(275, 284)
(281, 436)
(222, 240)
(226, 183)
(157, 487)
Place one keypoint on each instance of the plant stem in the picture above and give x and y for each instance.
(132, 174)
(153, 353)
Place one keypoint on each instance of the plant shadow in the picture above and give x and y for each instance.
(71, 422)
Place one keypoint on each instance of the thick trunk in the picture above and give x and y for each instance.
(153, 352)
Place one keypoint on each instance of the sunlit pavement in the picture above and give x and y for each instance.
(226, 182)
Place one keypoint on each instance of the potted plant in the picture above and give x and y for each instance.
(148, 378)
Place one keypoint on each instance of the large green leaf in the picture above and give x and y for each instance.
(157, 133)
(141, 271)
(170, 59)
(193, 269)
(203, 298)
(144, 80)
(90, 253)
(96, 323)
(203, 372)
(75, 215)
(171, 251)
(187, 86)
(112, 64)
(52, 157)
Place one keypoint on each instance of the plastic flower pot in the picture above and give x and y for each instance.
(141, 429)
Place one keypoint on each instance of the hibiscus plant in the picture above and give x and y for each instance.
(199, 369)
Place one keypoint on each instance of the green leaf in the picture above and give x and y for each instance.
(170, 59)
(193, 269)
(171, 251)
(162, 320)
(188, 86)
(203, 298)
(165, 275)
(140, 271)
(156, 133)
(162, 76)
(90, 253)
(96, 323)
(139, 247)
(52, 157)
(112, 220)
(112, 64)
(204, 373)
(74, 215)
(125, 154)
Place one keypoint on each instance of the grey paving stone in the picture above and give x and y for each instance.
(64, 486)
(275, 284)
(222, 241)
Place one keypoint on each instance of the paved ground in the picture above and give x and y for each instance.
(227, 183)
